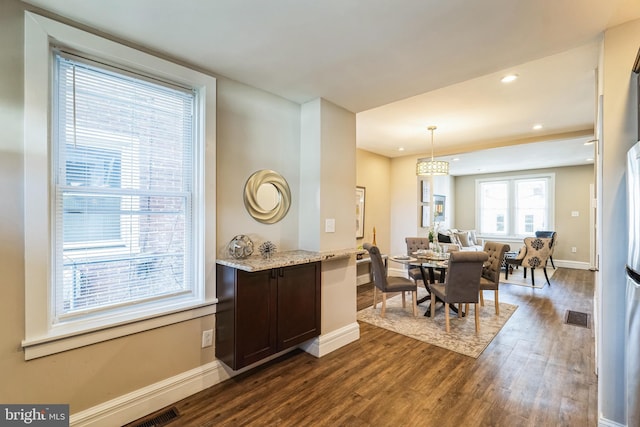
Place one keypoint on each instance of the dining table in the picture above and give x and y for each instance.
(429, 264)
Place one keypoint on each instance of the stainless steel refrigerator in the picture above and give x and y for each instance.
(632, 346)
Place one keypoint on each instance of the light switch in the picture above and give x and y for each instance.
(330, 225)
(575, 213)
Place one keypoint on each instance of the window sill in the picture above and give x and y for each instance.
(36, 348)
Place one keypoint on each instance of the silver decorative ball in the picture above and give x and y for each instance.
(240, 246)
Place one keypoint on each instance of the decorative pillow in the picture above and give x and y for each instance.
(463, 238)
(443, 238)
(454, 239)
(473, 240)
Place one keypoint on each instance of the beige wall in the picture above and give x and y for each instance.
(619, 134)
(328, 179)
(374, 173)
(255, 130)
(572, 193)
(404, 203)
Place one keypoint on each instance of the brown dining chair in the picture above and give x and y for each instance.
(386, 284)
(461, 284)
(490, 278)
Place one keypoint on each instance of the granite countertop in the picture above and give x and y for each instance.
(282, 259)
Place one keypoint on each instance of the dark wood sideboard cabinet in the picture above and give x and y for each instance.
(263, 312)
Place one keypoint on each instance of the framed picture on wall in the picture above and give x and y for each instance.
(425, 216)
(360, 192)
(438, 208)
(426, 191)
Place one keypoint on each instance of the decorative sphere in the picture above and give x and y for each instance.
(240, 246)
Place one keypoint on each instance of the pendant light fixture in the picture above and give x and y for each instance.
(428, 166)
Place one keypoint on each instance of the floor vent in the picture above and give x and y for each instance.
(577, 318)
(158, 419)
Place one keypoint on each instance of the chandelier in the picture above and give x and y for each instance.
(428, 166)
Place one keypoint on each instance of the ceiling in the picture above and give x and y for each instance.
(401, 66)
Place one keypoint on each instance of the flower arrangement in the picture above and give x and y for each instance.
(433, 232)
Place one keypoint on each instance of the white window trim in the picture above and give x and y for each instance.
(510, 237)
(40, 339)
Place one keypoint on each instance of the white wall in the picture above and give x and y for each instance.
(619, 134)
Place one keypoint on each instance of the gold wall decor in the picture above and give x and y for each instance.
(267, 196)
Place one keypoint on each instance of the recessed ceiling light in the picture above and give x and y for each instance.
(537, 126)
(455, 159)
(509, 78)
(400, 148)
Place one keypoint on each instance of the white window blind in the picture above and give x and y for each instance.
(123, 187)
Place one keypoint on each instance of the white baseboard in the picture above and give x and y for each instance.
(603, 422)
(325, 344)
(362, 279)
(144, 401)
(578, 265)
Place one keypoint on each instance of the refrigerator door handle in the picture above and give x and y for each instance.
(635, 276)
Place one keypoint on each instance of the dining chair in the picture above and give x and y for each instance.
(386, 284)
(490, 278)
(461, 284)
(534, 254)
(415, 244)
(554, 239)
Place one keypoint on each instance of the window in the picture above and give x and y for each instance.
(123, 188)
(515, 206)
(114, 190)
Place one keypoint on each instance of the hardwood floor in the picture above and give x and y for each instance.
(538, 371)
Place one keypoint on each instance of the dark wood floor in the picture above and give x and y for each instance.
(538, 371)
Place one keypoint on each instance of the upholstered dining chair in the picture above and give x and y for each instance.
(490, 278)
(534, 254)
(554, 239)
(461, 284)
(415, 244)
(386, 284)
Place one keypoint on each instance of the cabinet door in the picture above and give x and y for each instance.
(255, 316)
(298, 304)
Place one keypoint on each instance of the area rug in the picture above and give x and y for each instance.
(517, 277)
(462, 338)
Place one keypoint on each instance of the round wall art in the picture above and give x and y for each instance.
(267, 197)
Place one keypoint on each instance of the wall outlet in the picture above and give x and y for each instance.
(207, 338)
(574, 249)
